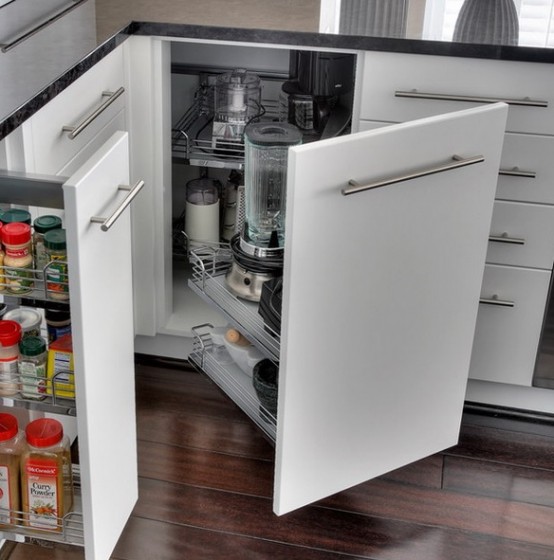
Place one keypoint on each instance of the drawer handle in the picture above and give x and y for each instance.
(505, 239)
(517, 172)
(27, 35)
(526, 102)
(498, 302)
(76, 130)
(107, 223)
(457, 162)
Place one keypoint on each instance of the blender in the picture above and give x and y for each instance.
(259, 248)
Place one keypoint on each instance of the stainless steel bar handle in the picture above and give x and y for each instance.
(505, 239)
(107, 223)
(456, 163)
(28, 34)
(526, 102)
(74, 131)
(498, 302)
(516, 172)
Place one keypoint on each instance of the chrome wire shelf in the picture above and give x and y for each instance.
(191, 135)
(215, 362)
(56, 398)
(208, 281)
(46, 284)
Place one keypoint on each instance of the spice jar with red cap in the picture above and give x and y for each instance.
(18, 258)
(12, 445)
(46, 479)
(10, 336)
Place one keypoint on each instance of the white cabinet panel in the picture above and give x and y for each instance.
(102, 319)
(522, 235)
(506, 337)
(380, 300)
(48, 148)
(388, 73)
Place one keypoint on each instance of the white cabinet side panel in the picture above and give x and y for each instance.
(381, 292)
(102, 319)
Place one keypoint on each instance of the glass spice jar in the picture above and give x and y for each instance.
(32, 367)
(41, 225)
(57, 285)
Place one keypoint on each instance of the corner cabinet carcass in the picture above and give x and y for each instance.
(386, 238)
(98, 231)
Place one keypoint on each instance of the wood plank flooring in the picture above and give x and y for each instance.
(206, 484)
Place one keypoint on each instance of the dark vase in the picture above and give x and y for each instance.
(492, 22)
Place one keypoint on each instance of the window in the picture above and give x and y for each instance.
(536, 21)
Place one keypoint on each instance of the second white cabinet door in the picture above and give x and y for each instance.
(381, 292)
(100, 280)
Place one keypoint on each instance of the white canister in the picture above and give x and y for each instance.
(202, 212)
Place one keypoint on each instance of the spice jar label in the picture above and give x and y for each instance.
(43, 492)
(5, 495)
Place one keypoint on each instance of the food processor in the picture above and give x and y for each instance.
(237, 102)
(259, 248)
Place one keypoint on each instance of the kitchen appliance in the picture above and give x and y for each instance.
(317, 98)
(202, 211)
(237, 101)
(258, 249)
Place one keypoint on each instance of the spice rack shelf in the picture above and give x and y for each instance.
(51, 403)
(46, 284)
(70, 528)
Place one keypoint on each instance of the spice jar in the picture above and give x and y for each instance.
(58, 323)
(32, 367)
(41, 225)
(10, 336)
(16, 215)
(12, 445)
(46, 479)
(18, 259)
(29, 318)
(57, 285)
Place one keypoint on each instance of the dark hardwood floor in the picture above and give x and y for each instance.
(206, 484)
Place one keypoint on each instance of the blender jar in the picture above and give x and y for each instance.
(266, 159)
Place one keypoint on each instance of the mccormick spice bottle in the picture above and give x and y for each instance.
(10, 336)
(18, 258)
(12, 445)
(46, 480)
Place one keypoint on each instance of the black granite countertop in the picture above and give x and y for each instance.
(32, 79)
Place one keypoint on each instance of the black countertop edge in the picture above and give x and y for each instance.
(351, 42)
(31, 106)
(265, 36)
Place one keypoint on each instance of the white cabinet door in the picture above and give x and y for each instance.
(102, 319)
(381, 290)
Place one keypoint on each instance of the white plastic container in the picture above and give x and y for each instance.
(30, 320)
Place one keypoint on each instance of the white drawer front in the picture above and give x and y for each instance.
(524, 155)
(524, 235)
(388, 73)
(506, 338)
(48, 148)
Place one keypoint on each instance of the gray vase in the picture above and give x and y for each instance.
(493, 22)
